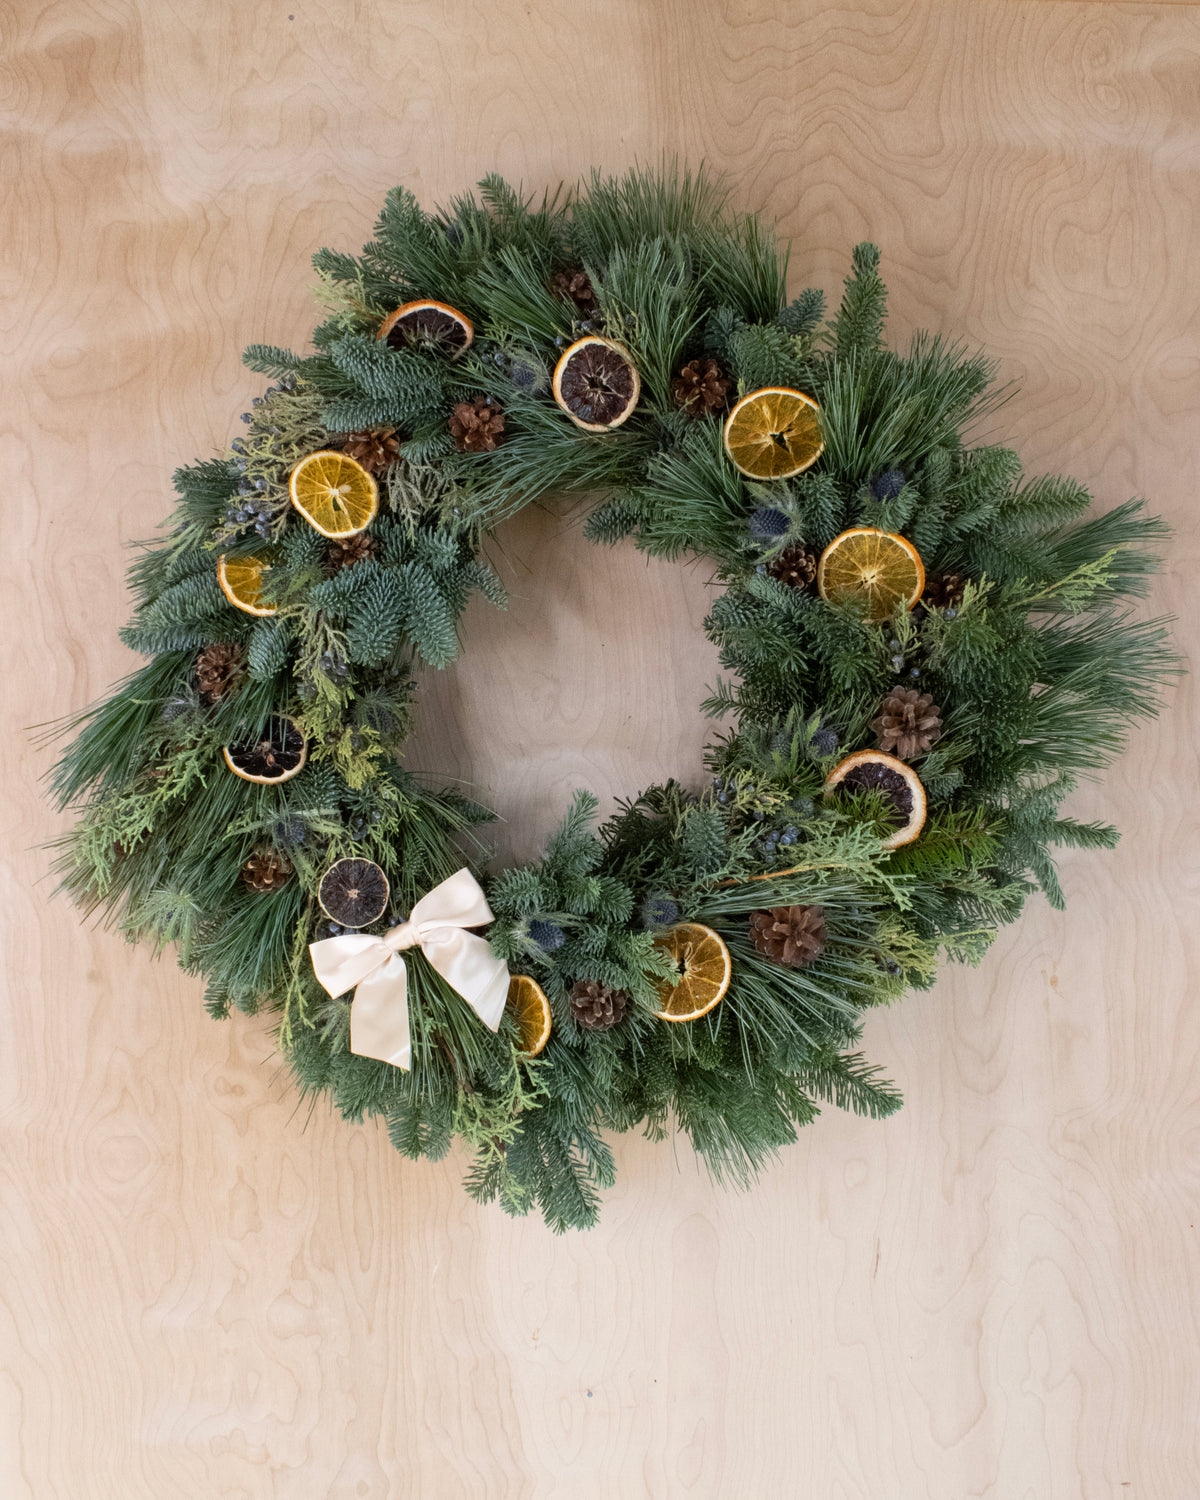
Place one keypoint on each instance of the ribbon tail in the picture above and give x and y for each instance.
(379, 1015)
(468, 965)
(489, 1004)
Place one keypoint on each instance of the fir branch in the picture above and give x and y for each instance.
(858, 326)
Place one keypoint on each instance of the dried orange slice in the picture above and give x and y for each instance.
(874, 770)
(597, 384)
(427, 324)
(275, 755)
(334, 494)
(886, 568)
(241, 583)
(527, 1000)
(354, 892)
(704, 972)
(774, 433)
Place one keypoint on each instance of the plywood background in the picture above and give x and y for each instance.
(995, 1293)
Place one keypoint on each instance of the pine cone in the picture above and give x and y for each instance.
(944, 590)
(792, 935)
(701, 387)
(909, 723)
(596, 1007)
(575, 286)
(345, 554)
(795, 565)
(374, 447)
(219, 669)
(266, 870)
(476, 425)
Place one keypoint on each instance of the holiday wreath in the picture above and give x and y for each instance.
(928, 649)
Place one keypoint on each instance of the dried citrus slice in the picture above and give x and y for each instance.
(704, 972)
(241, 583)
(886, 568)
(774, 433)
(354, 892)
(527, 1000)
(597, 384)
(427, 324)
(334, 494)
(874, 770)
(275, 755)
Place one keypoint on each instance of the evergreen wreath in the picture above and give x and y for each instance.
(926, 650)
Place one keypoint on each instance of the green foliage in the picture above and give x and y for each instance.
(648, 298)
(408, 602)
(858, 327)
(882, 410)
(802, 317)
(268, 650)
(692, 499)
(1039, 670)
(185, 614)
(766, 354)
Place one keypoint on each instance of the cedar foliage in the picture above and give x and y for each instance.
(1039, 671)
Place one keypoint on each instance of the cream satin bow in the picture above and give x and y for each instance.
(379, 1011)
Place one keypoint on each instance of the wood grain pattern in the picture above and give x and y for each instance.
(993, 1294)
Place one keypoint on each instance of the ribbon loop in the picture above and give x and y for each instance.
(374, 969)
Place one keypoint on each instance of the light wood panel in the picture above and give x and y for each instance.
(208, 1292)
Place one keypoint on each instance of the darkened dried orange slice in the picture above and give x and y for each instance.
(705, 969)
(774, 433)
(875, 771)
(354, 892)
(275, 755)
(427, 325)
(597, 384)
(527, 1000)
(877, 565)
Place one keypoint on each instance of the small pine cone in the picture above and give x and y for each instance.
(219, 669)
(701, 387)
(795, 565)
(344, 554)
(476, 425)
(266, 870)
(792, 935)
(596, 1007)
(374, 447)
(575, 286)
(943, 590)
(909, 723)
